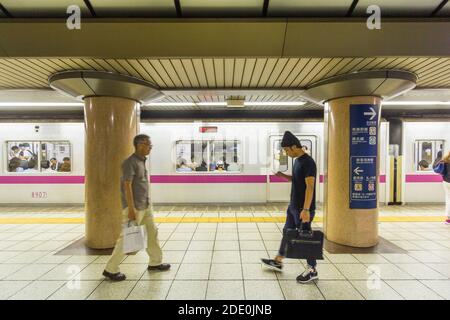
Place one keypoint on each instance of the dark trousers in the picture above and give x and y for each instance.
(292, 222)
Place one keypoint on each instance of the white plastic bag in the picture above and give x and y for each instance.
(134, 237)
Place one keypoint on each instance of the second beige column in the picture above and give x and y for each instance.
(352, 227)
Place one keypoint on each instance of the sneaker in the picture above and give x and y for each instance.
(308, 275)
(272, 264)
(114, 276)
(161, 267)
(447, 221)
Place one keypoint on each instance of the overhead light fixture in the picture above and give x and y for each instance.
(171, 104)
(415, 103)
(41, 104)
(235, 103)
(212, 104)
(277, 103)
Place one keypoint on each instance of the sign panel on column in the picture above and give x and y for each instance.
(363, 155)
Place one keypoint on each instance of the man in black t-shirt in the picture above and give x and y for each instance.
(302, 206)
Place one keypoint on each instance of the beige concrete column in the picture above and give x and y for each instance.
(110, 123)
(352, 227)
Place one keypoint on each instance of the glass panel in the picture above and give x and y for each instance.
(280, 157)
(307, 147)
(56, 156)
(200, 156)
(23, 156)
(183, 154)
(225, 156)
(427, 153)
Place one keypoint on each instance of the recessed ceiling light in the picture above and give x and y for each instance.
(171, 104)
(41, 104)
(278, 103)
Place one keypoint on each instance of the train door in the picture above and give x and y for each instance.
(278, 189)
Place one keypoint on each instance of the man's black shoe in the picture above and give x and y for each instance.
(161, 267)
(308, 275)
(272, 264)
(114, 276)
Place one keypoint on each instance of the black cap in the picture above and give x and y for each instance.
(290, 140)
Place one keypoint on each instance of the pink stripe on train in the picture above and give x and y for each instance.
(414, 178)
(28, 179)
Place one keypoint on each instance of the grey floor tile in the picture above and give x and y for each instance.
(31, 272)
(296, 291)
(227, 245)
(421, 271)
(189, 271)
(399, 258)
(37, 290)
(255, 271)
(111, 290)
(75, 290)
(150, 290)
(370, 258)
(442, 268)
(338, 290)
(442, 288)
(413, 290)
(355, 271)
(225, 290)
(376, 289)
(226, 257)
(187, 290)
(194, 256)
(201, 245)
(226, 271)
(9, 288)
(263, 290)
(390, 272)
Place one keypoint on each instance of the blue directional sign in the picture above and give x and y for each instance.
(363, 155)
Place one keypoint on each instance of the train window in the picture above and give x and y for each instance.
(426, 152)
(23, 156)
(225, 156)
(55, 156)
(280, 158)
(207, 156)
(39, 156)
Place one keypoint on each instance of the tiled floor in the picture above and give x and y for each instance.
(221, 260)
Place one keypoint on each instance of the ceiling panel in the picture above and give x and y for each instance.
(221, 8)
(445, 11)
(43, 8)
(134, 8)
(398, 8)
(223, 73)
(323, 8)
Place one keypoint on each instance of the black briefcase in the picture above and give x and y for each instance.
(304, 244)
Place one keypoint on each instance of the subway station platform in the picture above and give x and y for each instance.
(215, 253)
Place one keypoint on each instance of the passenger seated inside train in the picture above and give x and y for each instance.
(14, 165)
(45, 166)
(65, 166)
(32, 166)
(25, 153)
(424, 165)
(54, 164)
(14, 152)
(182, 166)
(202, 167)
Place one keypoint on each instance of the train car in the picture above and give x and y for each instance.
(192, 162)
(421, 143)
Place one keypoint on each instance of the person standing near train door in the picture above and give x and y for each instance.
(446, 180)
(136, 206)
(302, 206)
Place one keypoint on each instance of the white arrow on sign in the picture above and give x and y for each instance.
(357, 171)
(373, 113)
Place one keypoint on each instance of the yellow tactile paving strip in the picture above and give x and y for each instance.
(210, 220)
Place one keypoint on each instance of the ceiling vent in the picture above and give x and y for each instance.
(235, 103)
